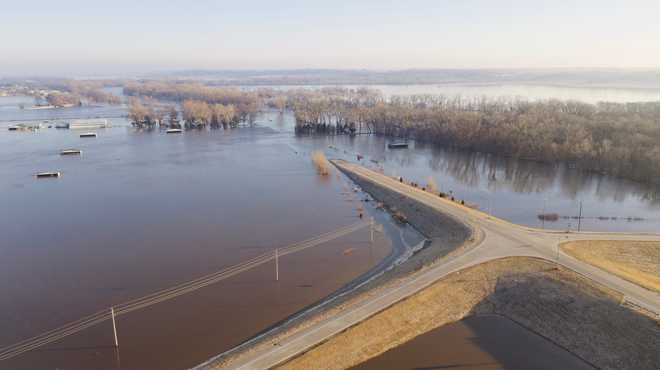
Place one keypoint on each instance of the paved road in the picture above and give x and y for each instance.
(495, 238)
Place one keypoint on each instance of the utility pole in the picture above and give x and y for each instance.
(277, 265)
(114, 326)
(543, 213)
(371, 229)
(580, 217)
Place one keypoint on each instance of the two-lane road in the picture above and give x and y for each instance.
(495, 238)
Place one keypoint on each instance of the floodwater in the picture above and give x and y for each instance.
(512, 189)
(485, 342)
(10, 111)
(140, 211)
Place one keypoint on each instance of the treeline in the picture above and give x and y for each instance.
(92, 91)
(63, 99)
(204, 102)
(149, 112)
(74, 92)
(611, 138)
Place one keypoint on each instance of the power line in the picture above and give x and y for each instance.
(167, 294)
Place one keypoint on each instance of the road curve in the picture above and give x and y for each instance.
(497, 239)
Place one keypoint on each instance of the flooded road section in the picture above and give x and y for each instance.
(512, 189)
(477, 343)
(143, 211)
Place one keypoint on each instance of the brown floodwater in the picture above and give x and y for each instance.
(143, 211)
(477, 343)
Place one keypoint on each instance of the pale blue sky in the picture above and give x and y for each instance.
(106, 37)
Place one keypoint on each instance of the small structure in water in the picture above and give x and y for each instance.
(398, 145)
(88, 134)
(25, 127)
(88, 123)
(174, 131)
(44, 175)
(71, 152)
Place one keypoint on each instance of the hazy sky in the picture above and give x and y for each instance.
(106, 37)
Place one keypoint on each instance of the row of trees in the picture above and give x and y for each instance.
(199, 113)
(244, 104)
(618, 139)
(63, 99)
(75, 92)
(148, 112)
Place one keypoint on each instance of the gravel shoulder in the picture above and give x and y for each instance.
(635, 261)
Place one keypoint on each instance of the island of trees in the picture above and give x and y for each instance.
(611, 138)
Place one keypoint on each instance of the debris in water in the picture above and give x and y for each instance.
(42, 175)
(548, 217)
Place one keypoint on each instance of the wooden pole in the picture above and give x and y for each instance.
(277, 265)
(580, 217)
(114, 326)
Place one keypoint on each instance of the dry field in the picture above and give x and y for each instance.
(638, 262)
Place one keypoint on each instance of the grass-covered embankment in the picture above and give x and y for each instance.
(556, 303)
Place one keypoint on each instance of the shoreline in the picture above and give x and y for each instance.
(521, 244)
(445, 235)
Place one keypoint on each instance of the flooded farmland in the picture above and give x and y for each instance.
(140, 211)
(143, 211)
(484, 342)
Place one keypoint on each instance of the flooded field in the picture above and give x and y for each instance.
(513, 189)
(140, 211)
(486, 342)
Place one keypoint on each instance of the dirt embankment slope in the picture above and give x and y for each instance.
(446, 236)
(445, 233)
(635, 261)
(556, 303)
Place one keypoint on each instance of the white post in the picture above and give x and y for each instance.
(277, 265)
(371, 227)
(114, 326)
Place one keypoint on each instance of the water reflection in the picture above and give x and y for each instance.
(496, 173)
(514, 189)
